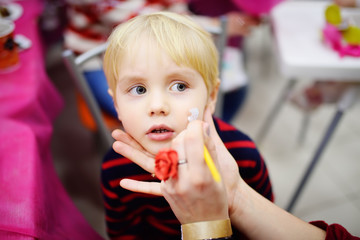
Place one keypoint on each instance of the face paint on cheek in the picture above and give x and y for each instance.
(194, 114)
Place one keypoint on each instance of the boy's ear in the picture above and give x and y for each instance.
(111, 93)
(213, 96)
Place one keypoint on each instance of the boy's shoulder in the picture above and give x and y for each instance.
(111, 155)
(228, 132)
(115, 167)
(113, 161)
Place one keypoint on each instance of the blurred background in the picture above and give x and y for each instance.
(332, 193)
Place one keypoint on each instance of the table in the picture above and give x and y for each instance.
(33, 202)
(297, 28)
(301, 54)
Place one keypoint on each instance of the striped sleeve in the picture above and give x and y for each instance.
(252, 167)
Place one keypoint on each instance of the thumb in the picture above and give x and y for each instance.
(211, 131)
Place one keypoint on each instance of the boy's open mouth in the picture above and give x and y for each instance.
(160, 133)
(160, 130)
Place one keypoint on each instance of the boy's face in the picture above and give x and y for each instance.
(154, 96)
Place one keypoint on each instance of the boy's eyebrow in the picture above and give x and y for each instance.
(130, 77)
(187, 73)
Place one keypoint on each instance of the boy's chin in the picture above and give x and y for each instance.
(153, 150)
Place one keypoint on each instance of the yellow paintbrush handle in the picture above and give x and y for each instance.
(215, 173)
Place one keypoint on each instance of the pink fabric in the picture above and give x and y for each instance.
(333, 38)
(33, 203)
(256, 7)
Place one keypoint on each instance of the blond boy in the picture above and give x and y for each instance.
(159, 66)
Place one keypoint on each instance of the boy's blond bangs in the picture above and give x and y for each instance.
(185, 42)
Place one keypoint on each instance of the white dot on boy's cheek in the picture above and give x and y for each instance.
(194, 114)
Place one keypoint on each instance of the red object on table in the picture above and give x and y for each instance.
(33, 202)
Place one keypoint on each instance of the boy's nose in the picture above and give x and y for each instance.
(158, 105)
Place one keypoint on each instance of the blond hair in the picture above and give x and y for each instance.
(182, 39)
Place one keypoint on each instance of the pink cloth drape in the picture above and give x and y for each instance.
(33, 202)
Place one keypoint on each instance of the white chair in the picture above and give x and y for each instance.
(74, 65)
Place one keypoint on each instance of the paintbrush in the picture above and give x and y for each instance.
(194, 113)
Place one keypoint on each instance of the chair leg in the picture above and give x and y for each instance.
(345, 103)
(304, 127)
(315, 159)
(221, 45)
(274, 111)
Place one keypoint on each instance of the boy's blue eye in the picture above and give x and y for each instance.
(179, 87)
(138, 90)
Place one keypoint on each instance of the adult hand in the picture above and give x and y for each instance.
(227, 165)
(194, 195)
(131, 149)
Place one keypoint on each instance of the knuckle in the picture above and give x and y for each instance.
(191, 138)
(199, 183)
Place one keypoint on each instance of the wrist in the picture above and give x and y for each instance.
(218, 229)
(240, 201)
(245, 213)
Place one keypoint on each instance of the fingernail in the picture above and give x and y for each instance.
(116, 145)
(113, 133)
